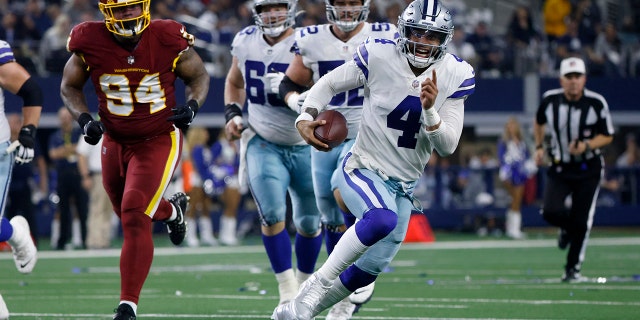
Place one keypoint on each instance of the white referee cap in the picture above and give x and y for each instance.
(572, 65)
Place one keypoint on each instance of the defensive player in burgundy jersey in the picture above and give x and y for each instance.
(413, 105)
(133, 63)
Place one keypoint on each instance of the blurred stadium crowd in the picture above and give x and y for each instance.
(499, 38)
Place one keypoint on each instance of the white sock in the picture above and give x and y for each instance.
(55, 232)
(133, 305)
(301, 276)
(287, 285)
(346, 252)
(76, 235)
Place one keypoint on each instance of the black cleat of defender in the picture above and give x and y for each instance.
(178, 227)
(124, 312)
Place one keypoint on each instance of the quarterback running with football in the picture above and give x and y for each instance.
(133, 63)
(413, 105)
(338, 40)
(277, 159)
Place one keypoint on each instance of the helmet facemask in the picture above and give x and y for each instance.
(347, 18)
(274, 23)
(422, 20)
(125, 27)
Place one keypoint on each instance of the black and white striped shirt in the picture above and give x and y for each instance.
(573, 120)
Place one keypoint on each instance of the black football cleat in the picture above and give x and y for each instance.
(124, 312)
(563, 239)
(573, 276)
(178, 227)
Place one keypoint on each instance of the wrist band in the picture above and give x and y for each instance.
(292, 101)
(232, 110)
(431, 117)
(539, 147)
(303, 116)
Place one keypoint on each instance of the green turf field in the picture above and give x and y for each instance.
(457, 277)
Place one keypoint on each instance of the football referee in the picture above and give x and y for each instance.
(579, 123)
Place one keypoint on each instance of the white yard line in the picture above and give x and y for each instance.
(442, 245)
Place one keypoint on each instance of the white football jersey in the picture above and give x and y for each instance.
(269, 116)
(6, 55)
(392, 139)
(322, 52)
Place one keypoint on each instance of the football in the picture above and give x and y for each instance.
(334, 131)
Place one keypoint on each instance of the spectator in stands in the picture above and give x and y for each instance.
(474, 181)
(629, 163)
(100, 209)
(36, 13)
(19, 33)
(463, 49)
(630, 157)
(610, 53)
(164, 9)
(523, 42)
(81, 11)
(569, 45)
(488, 49)
(226, 159)
(588, 16)
(555, 14)
(53, 47)
(62, 151)
(515, 169)
(198, 161)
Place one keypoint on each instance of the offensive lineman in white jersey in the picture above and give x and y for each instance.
(319, 49)
(277, 158)
(414, 104)
(15, 79)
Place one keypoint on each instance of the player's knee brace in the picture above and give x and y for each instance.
(375, 225)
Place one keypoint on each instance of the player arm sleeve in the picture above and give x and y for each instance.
(445, 139)
(345, 77)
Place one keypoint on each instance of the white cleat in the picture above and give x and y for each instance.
(24, 250)
(362, 295)
(4, 312)
(303, 306)
(342, 310)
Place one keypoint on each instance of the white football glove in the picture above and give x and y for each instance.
(274, 79)
(296, 101)
(23, 154)
(24, 145)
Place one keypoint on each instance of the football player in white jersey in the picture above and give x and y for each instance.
(277, 159)
(15, 79)
(414, 104)
(319, 49)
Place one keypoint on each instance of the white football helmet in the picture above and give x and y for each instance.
(424, 18)
(274, 23)
(347, 18)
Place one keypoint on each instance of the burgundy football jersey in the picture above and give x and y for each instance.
(135, 88)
